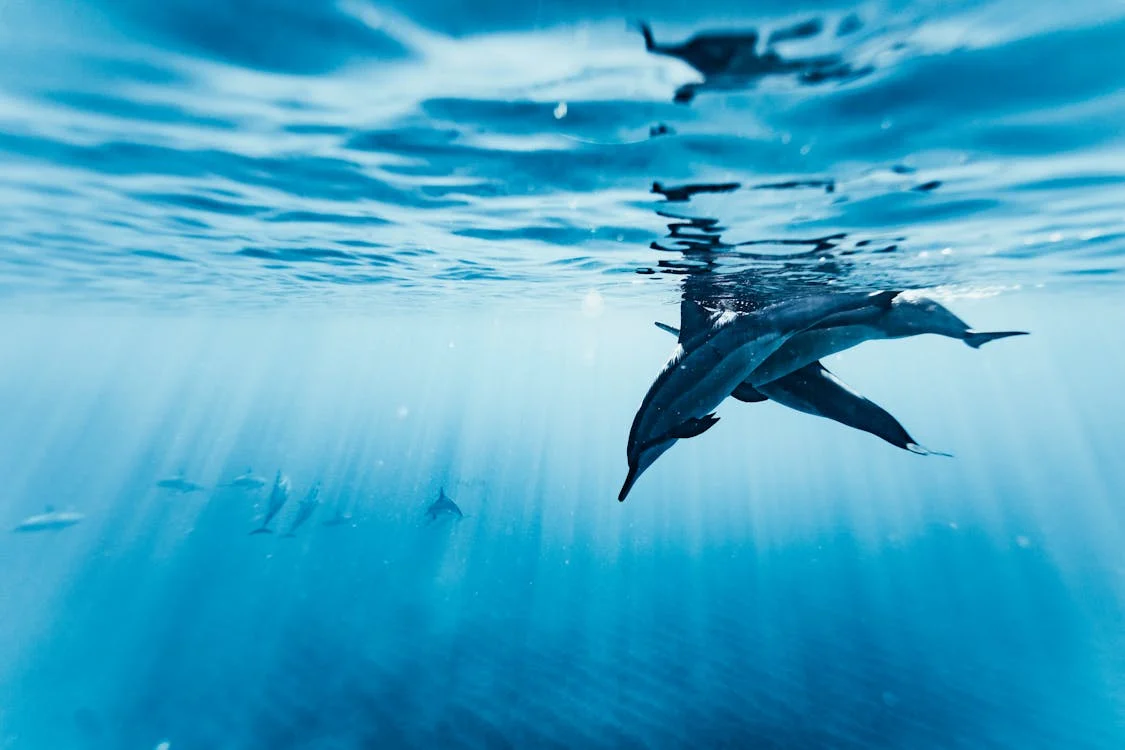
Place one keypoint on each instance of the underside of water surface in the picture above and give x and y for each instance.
(329, 336)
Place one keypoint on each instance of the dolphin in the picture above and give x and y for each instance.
(813, 389)
(247, 481)
(443, 506)
(906, 316)
(180, 484)
(278, 497)
(304, 510)
(339, 518)
(707, 365)
(49, 520)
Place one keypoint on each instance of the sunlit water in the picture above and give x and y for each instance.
(396, 250)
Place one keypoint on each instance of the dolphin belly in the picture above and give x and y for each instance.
(807, 347)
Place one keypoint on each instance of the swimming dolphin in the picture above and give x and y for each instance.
(304, 510)
(278, 497)
(247, 481)
(49, 520)
(339, 518)
(906, 316)
(813, 389)
(710, 360)
(180, 484)
(443, 506)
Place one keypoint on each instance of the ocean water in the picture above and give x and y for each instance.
(394, 250)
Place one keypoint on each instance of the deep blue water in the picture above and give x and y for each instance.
(420, 246)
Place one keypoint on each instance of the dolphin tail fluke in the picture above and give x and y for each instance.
(977, 339)
(921, 450)
(262, 530)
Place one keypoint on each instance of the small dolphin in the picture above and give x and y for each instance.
(339, 518)
(905, 317)
(813, 389)
(708, 364)
(710, 53)
(304, 510)
(278, 497)
(180, 484)
(50, 520)
(443, 506)
(247, 481)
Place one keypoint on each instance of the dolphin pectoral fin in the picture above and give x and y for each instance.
(977, 339)
(692, 427)
(262, 530)
(748, 394)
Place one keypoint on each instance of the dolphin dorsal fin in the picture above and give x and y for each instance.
(693, 319)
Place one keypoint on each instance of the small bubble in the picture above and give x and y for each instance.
(452, 345)
(785, 138)
(1023, 542)
(402, 412)
(947, 251)
(953, 525)
(924, 254)
(1056, 237)
(560, 111)
(885, 125)
(806, 149)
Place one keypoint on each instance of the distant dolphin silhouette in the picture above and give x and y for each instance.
(247, 481)
(304, 510)
(904, 317)
(710, 361)
(339, 518)
(443, 506)
(278, 497)
(49, 520)
(814, 390)
(180, 484)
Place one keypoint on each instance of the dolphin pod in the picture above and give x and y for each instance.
(774, 354)
(711, 361)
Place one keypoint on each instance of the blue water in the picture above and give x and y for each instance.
(420, 246)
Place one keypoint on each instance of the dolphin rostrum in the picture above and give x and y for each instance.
(906, 316)
(50, 520)
(708, 365)
(443, 506)
(304, 510)
(813, 389)
(180, 484)
(278, 497)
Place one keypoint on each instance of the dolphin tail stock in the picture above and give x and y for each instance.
(261, 530)
(977, 339)
(922, 450)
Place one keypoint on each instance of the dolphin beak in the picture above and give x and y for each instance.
(630, 480)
